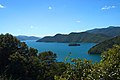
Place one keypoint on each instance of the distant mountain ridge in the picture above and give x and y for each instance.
(75, 37)
(111, 31)
(94, 35)
(23, 37)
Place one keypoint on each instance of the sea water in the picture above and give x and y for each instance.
(62, 50)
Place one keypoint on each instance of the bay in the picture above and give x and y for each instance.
(62, 50)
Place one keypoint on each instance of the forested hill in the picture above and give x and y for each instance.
(111, 31)
(75, 37)
(103, 46)
(94, 35)
(22, 37)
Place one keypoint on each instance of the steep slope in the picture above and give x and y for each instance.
(56, 38)
(111, 31)
(75, 37)
(95, 36)
(87, 37)
(103, 46)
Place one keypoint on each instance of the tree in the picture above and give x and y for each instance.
(110, 64)
(8, 46)
(17, 60)
(47, 57)
(107, 69)
(79, 70)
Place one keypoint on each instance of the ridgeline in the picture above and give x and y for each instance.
(94, 36)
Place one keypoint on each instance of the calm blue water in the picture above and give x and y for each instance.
(62, 50)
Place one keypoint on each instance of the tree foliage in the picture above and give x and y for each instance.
(107, 69)
(19, 62)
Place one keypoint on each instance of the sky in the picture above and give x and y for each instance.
(49, 17)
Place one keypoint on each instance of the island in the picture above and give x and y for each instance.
(73, 44)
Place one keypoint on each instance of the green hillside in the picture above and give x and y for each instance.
(103, 46)
(75, 37)
(94, 36)
(109, 31)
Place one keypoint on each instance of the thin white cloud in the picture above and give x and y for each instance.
(49, 7)
(78, 21)
(1, 6)
(31, 27)
(107, 7)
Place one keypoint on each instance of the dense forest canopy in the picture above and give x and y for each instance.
(104, 46)
(19, 62)
(75, 37)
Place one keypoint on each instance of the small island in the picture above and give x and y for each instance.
(74, 44)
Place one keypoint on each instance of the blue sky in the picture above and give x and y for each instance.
(49, 17)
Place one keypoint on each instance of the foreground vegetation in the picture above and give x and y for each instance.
(19, 62)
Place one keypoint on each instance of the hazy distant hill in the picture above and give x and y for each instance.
(75, 37)
(94, 35)
(111, 31)
(22, 37)
(103, 46)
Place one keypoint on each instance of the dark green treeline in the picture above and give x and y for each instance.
(19, 62)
